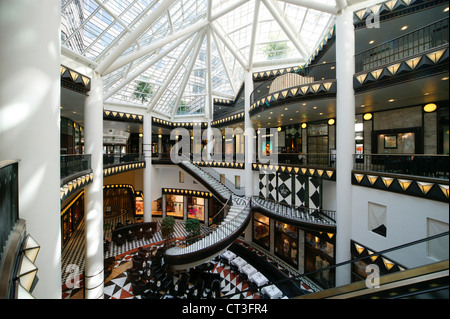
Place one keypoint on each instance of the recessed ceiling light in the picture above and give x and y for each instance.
(391, 100)
(285, 108)
(445, 78)
(271, 112)
(282, 114)
(446, 9)
(320, 113)
(372, 42)
(269, 118)
(74, 112)
(315, 107)
(427, 93)
(259, 115)
(404, 27)
(290, 119)
(296, 111)
(363, 105)
(304, 104)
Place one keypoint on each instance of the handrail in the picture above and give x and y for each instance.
(189, 242)
(348, 262)
(221, 210)
(324, 71)
(400, 47)
(423, 165)
(305, 214)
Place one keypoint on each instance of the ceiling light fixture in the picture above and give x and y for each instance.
(404, 28)
(391, 100)
(331, 122)
(368, 116)
(430, 107)
(371, 42)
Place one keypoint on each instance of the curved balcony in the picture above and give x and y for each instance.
(303, 217)
(76, 172)
(192, 251)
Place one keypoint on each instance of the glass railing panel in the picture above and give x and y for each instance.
(415, 42)
(436, 166)
(73, 164)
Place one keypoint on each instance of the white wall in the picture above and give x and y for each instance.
(406, 222)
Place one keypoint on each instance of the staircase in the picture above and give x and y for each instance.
(186, 254)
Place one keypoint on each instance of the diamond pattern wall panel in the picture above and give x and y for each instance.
(285, 188)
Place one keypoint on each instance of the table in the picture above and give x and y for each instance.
(249, 270)
(272, 291)
(229, 255)
(239, 262)
(259, 279)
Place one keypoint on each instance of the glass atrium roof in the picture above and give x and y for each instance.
(157, 54)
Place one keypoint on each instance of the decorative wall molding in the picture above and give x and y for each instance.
(74, 80)
(433, 189)
(409, 66)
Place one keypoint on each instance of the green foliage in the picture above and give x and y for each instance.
(275, 50)
(192, 226)
(167, 227)
(143, 91)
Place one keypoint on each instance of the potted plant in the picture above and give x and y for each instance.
(167, 229)
(192, 227)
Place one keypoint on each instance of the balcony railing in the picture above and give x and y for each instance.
(113, 159)
(9, 200)
(436, 166)
(73, 164)
(319, 72)
(418, 41)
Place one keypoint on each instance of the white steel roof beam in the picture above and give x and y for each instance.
(288, 29)
(314, 5)
(253, 38)
(174, 71)
(225, 64)
(230, 47)
(134, 35)
(144, 67)
(155, 45)
(187, 76)
(341, 4)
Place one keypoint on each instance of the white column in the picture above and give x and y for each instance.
(93, 202)
(148, 171)
(345, 139)
(249, 134)
(30, 125)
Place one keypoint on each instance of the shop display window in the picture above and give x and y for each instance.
(196, 208)
(174, 206)
(286, 242)
(319, 253)
(157, 207)
(261, 230)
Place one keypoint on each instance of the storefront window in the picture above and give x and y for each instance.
(196, 208)
(286, 242)
(319, 254)
(157, 207)
(261, 230)
(174, 206)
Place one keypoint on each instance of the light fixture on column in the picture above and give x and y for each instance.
(141, 135)
(331, 122)
(304, 125)
(26, 273)
(368, 116)
(31, 248)
(430, 107)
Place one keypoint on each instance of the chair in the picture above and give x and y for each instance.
(167, 282)
(214, 292)
(178, 289)
(138, 287)
(197, 290)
